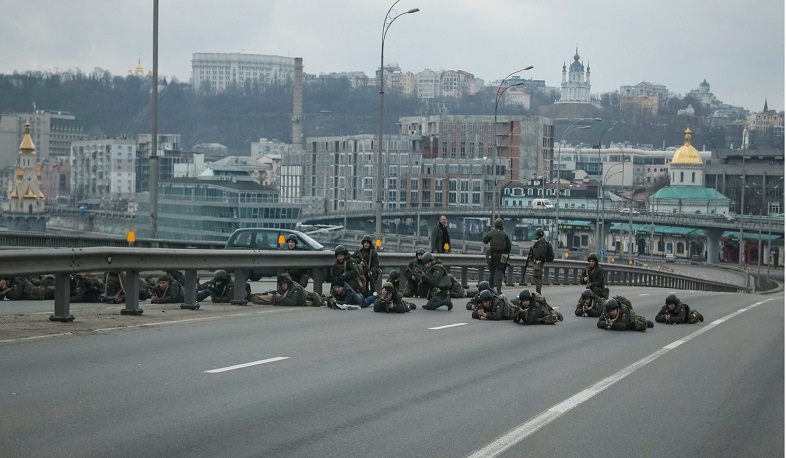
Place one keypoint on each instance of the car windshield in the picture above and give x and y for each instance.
(312, 242)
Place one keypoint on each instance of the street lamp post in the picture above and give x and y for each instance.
(598, 222)
(390, 17)
(741, 253)
(500, 90)
(555, 176)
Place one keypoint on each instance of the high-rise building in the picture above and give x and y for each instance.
(52, 132)
(215, 72)
(103, 169)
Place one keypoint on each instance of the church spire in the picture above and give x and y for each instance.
(765, 106)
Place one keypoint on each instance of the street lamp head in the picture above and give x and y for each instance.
(413, 10)
(528, 68)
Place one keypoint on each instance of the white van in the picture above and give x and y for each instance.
(542, 203)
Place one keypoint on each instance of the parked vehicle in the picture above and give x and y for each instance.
(544, 204)
(724, 217)
(669, 257)
(628, 210)
(268, 238)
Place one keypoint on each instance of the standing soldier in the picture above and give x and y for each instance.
(594, 277)
(589, 305)
(345, 269)
(619, 318)
(301, 276)
(677, 312)
(167, 291)
(533, 309)
(492, 308)
(367, 260)
(438, 281)
(497, 256)
(288, 293)
(538, 254)
(440, 238)
(414, 276)
(389, 301)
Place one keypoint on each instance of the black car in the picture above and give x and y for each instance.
(268, 238)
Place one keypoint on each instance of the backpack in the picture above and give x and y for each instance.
(549, 252)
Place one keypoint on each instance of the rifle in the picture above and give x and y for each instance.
(526, 264)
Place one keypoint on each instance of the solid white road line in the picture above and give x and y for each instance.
(240, 366)
(448, 326)
(526, 429)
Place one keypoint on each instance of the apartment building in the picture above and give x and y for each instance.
(103, 169)
(52, 132)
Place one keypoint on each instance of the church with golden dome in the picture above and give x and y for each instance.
(686, 192)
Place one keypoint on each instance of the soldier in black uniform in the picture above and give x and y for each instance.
(414, 285)
(594, 276)
(301, 276)
(499, 251)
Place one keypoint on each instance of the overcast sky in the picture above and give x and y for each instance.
(738, 47)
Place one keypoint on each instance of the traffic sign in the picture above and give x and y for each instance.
(602, 252)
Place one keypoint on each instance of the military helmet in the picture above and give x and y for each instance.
(539, 232)
(672, 299)
(341, 249)
(292, 238)
(612, 304)
(486, 295)
(484, 285)
(420, 251)
(388, 286)
(498, 223)
(427, 257)
(592, 257)
(165, 277)
(587, 294)
(221, 275)
(525, 295)
(393, 275)
(367, 238)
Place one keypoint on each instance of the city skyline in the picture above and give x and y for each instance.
(718, 44)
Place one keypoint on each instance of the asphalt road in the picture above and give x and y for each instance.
(318, 382)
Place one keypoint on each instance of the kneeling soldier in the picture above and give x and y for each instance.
(676, 312)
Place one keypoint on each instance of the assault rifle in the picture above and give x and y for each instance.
(526, 264)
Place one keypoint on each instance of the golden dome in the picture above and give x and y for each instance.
(687, 154)
(27, 145)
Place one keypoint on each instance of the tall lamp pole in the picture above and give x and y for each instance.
(741, 254)
(555, 176)
(598, 223)
(500, 90)
(390, 17)
(153, 181)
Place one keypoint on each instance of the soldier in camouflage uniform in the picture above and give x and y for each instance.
(499, 251)
(167, 291)
(538, 255)
(474, 303)
(437, 278)
(677, 312)
(594, 276)
(589, 304)
(492, 308)
(220, 289)
(533, 309)
(85, 287)
(289, 293)
(115, 291)
(20, 289)
(414, 285)
(389, 300)
(345, 269)
(619, 318)
(367, 260)
(301, 276)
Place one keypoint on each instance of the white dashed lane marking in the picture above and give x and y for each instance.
(241, 366)
(448, 326)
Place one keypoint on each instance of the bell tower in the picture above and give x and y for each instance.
(26, 201)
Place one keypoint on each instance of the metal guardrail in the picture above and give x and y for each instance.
(53, 240)
(132, 261)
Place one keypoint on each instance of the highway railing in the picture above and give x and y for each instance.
(132, 261)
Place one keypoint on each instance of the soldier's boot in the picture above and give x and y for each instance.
(699, 316)
(450, 305)
(650, 324)
(559, 316)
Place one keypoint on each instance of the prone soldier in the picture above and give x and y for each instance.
(389, 300)
(220, 289)
(342, 293)
(533, 309)
(492, 308)
(621, 318)
(675, 311)
(589, 304)
(289, 293)
(167, 291)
